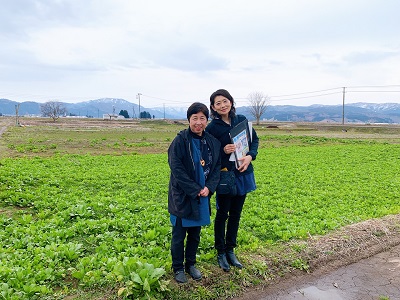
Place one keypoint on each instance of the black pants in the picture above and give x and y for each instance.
(229, 209)
(178, 251)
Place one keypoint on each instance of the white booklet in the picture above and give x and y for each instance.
(241, 137)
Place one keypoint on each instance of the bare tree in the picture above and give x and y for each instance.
(53, 109)
(258, 105)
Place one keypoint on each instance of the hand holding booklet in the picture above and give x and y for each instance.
(241, 137)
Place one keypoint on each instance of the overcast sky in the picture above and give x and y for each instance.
(297, 52)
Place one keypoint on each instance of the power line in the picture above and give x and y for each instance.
(304, 93)
(375, 91)
(374, 86)
(272, 98)
(311, 96)
(152, 97)
(169, 100)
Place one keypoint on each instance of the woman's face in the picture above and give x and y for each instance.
(197, 123)
(222, 105)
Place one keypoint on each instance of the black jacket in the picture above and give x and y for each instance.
(220, 130)
(183, 201)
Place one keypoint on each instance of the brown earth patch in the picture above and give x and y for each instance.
(327, 253)
(4, 123)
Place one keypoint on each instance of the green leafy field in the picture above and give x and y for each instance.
(82, 225)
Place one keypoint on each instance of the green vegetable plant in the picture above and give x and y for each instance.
(91, 222)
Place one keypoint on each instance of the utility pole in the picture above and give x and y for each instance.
(16, 114)
(344, 92)
(138, 97)
(164, 110)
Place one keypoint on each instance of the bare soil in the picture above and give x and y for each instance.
(337, 249)
(4, 123)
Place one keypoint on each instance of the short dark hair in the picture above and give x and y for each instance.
(224, 93)
(197, 107)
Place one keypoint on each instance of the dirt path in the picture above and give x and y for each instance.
(4, 123)
(376, 277)
(364, 263)
(2, 129)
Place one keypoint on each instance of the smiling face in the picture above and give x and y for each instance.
(222, 105)
(197, 123)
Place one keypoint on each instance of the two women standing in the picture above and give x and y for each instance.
(196, 156)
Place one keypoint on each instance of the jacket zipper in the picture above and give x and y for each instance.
(191, 155)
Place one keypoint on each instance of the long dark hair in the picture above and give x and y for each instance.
(224, 93)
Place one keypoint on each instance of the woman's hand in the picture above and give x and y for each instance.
(244, 163)
(204, 192)
(229, 148)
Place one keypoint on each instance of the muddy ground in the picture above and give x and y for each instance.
(339, 249)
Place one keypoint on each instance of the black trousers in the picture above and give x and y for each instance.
(179, 252)
(228, 215)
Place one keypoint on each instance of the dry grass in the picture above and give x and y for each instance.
(355, 241)
(43, 137)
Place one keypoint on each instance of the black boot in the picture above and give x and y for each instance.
(223, 263)
(194, 272)
(180, 276)
(231, 258)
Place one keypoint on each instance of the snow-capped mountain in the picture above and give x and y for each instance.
(354, 112)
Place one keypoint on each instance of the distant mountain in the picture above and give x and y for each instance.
(7, 107)
(354, 112)
(93, 108)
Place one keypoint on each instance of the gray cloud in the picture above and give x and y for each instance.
(21, 16)
(190, 58)
(367, 57)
